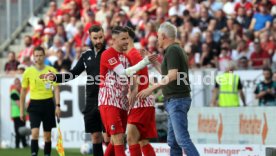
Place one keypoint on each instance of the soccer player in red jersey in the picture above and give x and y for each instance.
(113, 101)
(141, 118)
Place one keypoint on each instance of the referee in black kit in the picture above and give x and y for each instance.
(90, 62)
(42, 107)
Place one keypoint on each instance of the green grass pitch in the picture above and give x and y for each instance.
(26, 152)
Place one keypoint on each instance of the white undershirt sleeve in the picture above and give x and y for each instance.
(120, 70)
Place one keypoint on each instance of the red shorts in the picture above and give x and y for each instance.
(114, 119)
(144, 120)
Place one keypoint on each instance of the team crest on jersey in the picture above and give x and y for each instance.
(112, 61)
(112, 127)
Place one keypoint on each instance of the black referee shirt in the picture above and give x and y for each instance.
(90, 62)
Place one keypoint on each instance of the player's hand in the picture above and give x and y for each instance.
(144, 52)
(49, 76)
(153, 58)
(22, 116)
(58, 112)
(144, 93)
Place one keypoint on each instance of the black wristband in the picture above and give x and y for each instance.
(57, 105)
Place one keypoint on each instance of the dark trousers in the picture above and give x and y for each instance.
(19, 138)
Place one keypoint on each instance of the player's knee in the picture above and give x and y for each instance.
(118, 139)
(96, 138)
(143, 142)
(35, 136)
(47, 137)
(106, 138)
(35, 133)
(131, 140)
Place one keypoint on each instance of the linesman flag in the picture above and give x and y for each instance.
(59, 146)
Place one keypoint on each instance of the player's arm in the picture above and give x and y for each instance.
(120, 70)
(171, 76)
(23, 94)
(65, 77)
(173, 62)
(57, 100)
(71, 74)
(155, 63)
(133, 90)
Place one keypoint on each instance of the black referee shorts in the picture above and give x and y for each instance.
(92, 118)
(42, 111)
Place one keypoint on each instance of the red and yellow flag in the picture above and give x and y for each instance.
(59, 146)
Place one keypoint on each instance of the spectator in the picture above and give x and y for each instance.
(150, 31)
(188, 29)
(61, 33)
(213, 6)
(48, 37)
(71, 28)
(259, 57)
(274, 61)
(15, 113)
(101, 15)
(274, 76)
(261, 20)
(28, 51)
(175, 19)
(21, 68)
(207, 58)
(177, 8)
(63, 62)
(267, 43)
(12, 64)
(266, 90)
(243, 4)
(220, 21)
(193, 8)
(227, 90)
(242, 18)
(241, 51)
(224, 58)
(27, 61)
(228, 8)
(90, 21)
(187, 17)
(214, 47)
(273, 30)
(205, 21)
(77, 57)
(243, 63)
(79, 38)
(38, 35)
(51, 53)
(121, 19)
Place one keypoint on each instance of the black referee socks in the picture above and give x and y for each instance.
(47, 148)
(34, 147)
(98, 149)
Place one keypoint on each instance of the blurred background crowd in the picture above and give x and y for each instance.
(212, 32)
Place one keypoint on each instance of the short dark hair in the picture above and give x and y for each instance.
(268, 69)
(95, 28)
(131, 32)
(38, 48)
(118, 30)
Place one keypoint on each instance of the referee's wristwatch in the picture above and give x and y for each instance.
(57, 105)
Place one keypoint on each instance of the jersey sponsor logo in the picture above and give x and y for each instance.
(112, 61)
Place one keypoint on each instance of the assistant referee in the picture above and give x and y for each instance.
(42, 107)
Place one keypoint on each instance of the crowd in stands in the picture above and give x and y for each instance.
(212, 32)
